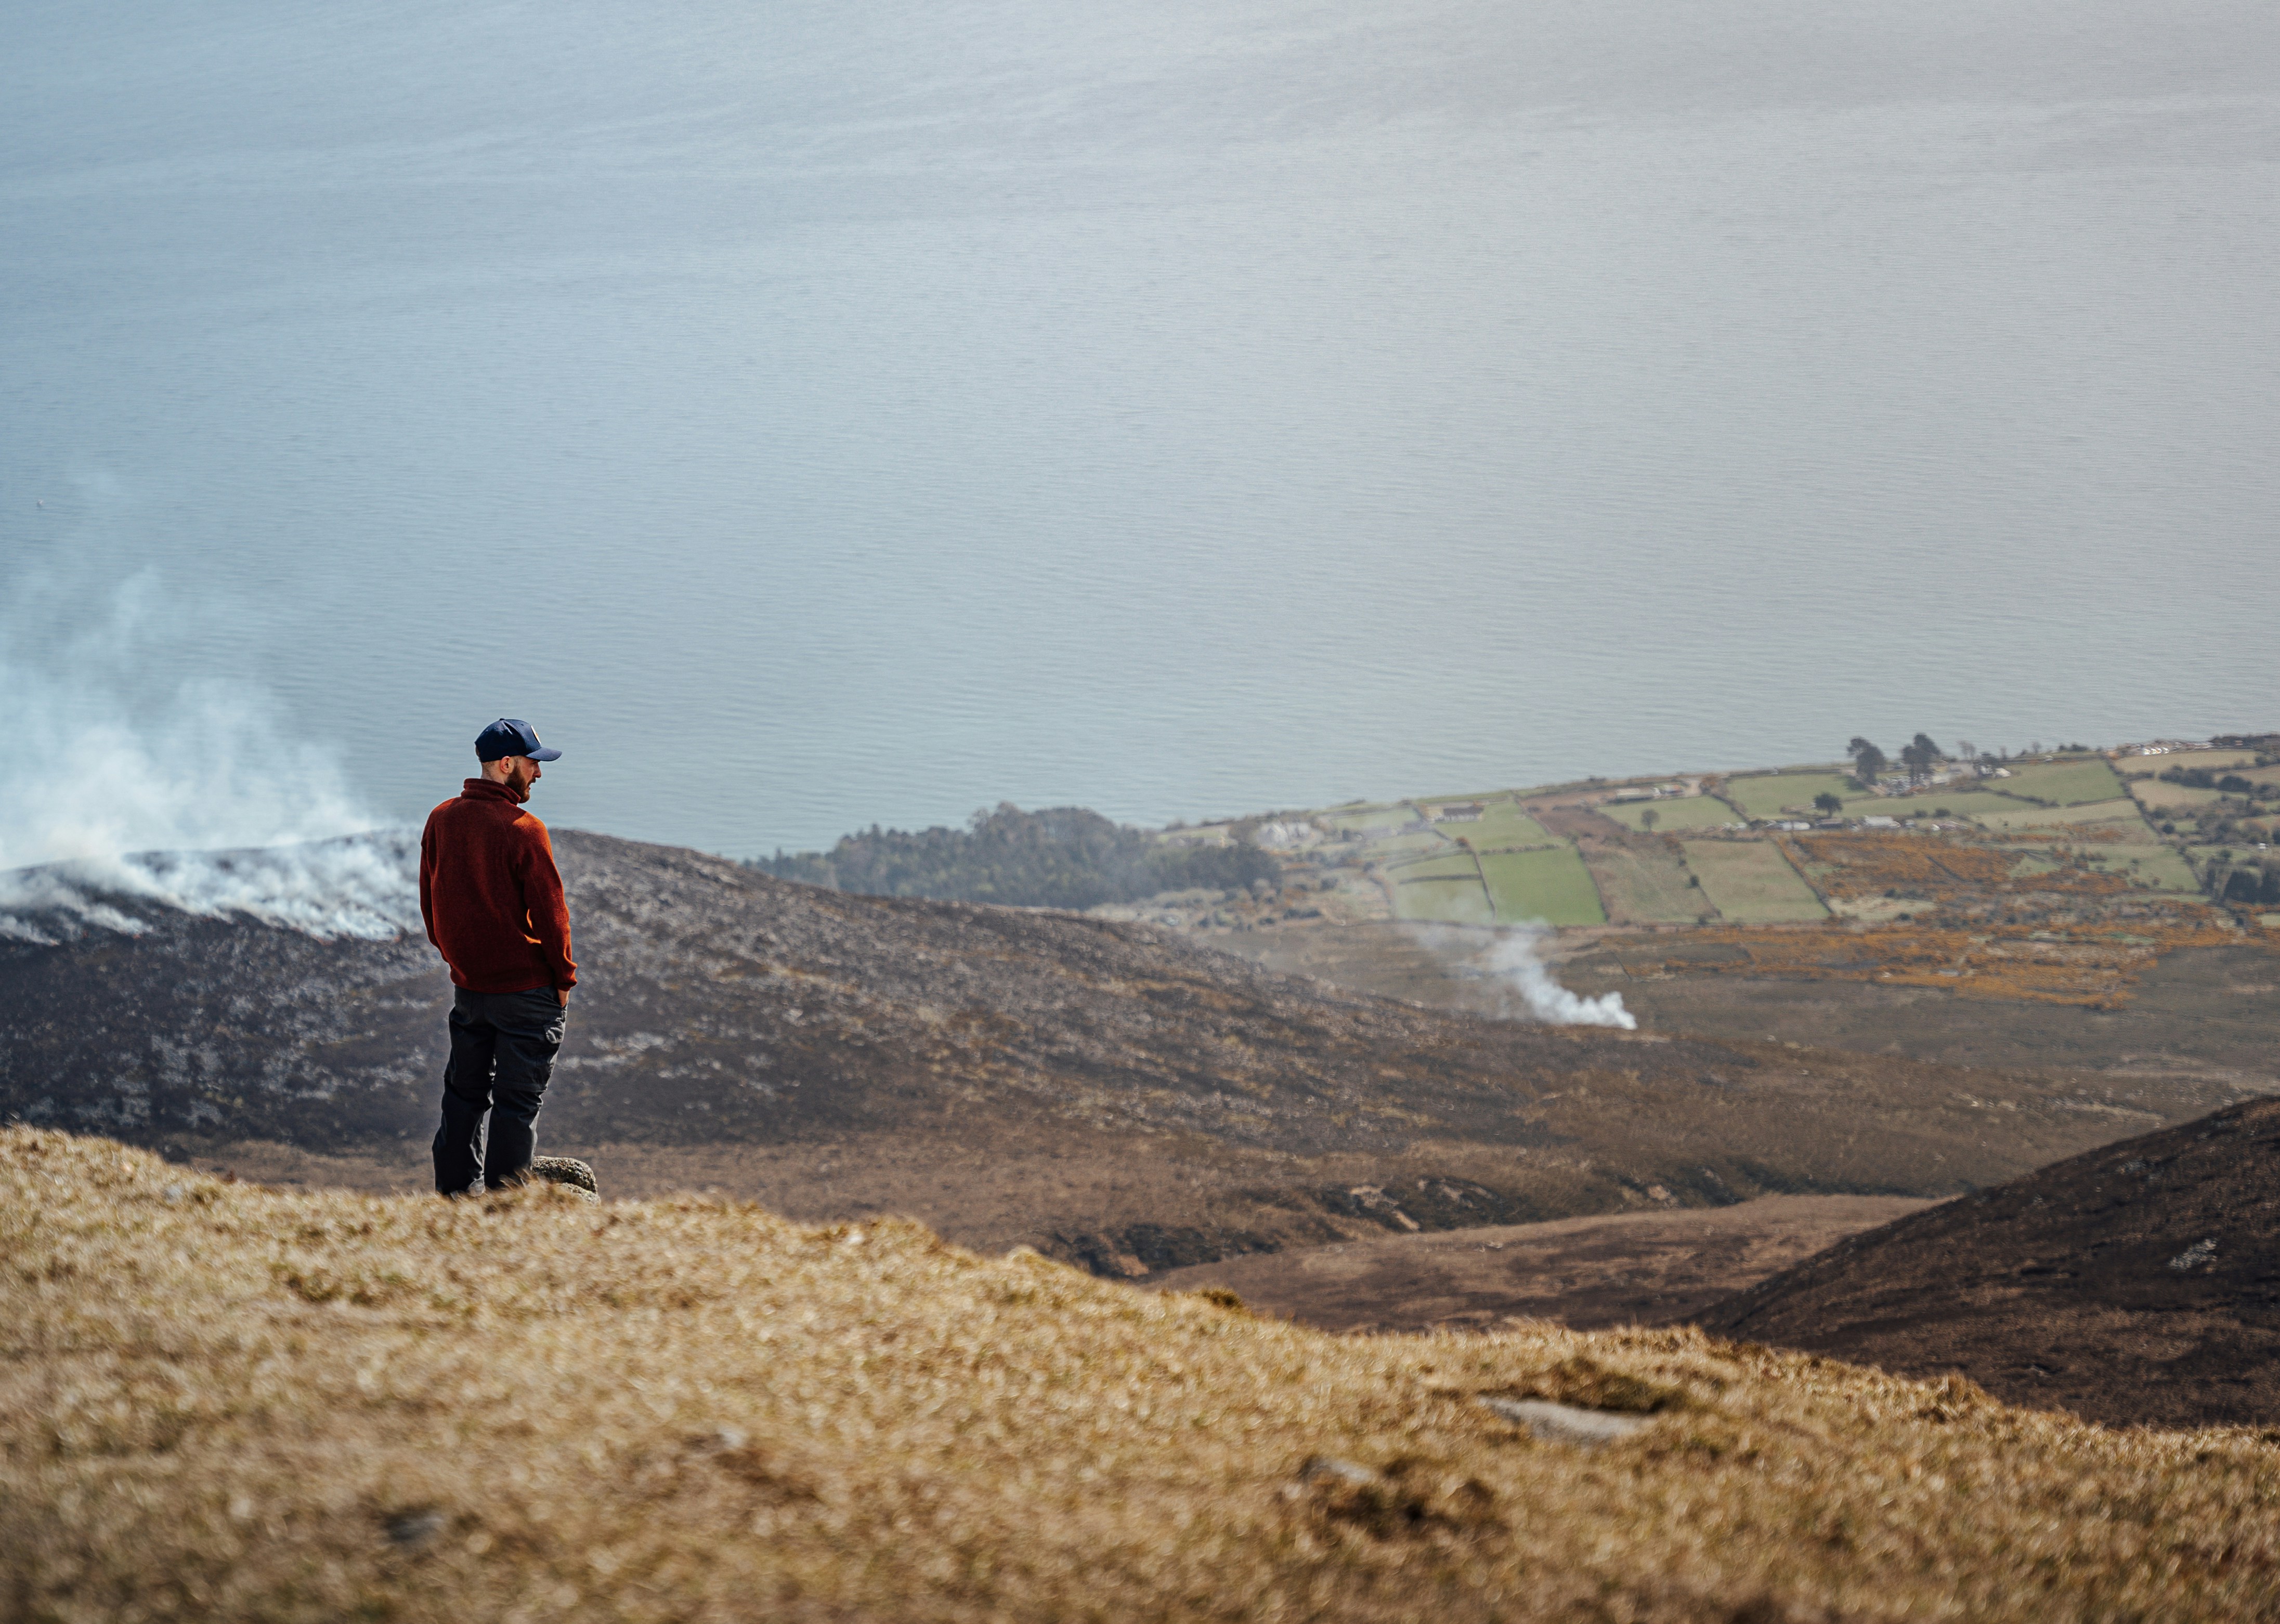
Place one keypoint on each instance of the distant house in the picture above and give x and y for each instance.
(1459, 812)
(1880, 823)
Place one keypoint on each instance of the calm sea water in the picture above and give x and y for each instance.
(815, 414)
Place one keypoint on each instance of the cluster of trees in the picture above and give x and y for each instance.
(2248, 889)
(1919, 756)
(1063, 857)
(2226, 783)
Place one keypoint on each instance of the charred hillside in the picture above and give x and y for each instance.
(1102, 1090)
(2138, 1283)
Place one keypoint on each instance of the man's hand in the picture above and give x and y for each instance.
(562, 994)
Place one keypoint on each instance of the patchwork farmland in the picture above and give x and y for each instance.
(2061, 878)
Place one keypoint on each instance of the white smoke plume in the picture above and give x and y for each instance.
(1510, 960)
(359, 885)
(117, 791)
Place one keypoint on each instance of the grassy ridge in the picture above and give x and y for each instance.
(224, 1401)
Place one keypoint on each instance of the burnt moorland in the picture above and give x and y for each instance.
(1107, 1092)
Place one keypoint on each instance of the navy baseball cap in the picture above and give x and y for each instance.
(509, 737)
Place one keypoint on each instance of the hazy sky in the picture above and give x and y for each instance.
(814, 416)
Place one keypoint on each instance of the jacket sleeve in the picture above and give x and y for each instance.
(547, 911)
(428, 881)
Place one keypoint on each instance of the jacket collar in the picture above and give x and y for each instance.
(483, 789)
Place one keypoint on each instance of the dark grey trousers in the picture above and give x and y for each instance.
(503, 1049)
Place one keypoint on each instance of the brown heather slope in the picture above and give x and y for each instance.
(1107, 1093)
(225, 1402)
(2137, 1284)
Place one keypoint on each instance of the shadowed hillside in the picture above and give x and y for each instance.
(2140, 1283)
(1107, 1092)
(231, 1402)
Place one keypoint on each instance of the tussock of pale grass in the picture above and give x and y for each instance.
(222, 1401)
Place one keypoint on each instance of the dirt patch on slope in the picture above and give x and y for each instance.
(1622, 1268)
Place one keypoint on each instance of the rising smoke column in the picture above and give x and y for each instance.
(1510, 960)
(1514, 956)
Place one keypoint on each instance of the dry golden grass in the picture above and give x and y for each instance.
(229, 1401)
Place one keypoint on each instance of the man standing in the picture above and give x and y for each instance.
(492, 898)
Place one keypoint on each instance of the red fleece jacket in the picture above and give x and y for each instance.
(491, 894)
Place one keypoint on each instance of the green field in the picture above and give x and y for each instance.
(2123, 810)
(1364, 819)
(1394, 848)
(1693, 811)
(2160, 868)
(1451, 900)
(1962, 803)
(2157, 797)
(1503, 824)
(2215, 758)
(1646, 885)
(1550, 885)
(1770, 794)
(1446, 890)
(1751, 883)
(1437, 864)
(2062, 784)
(1486, 797)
